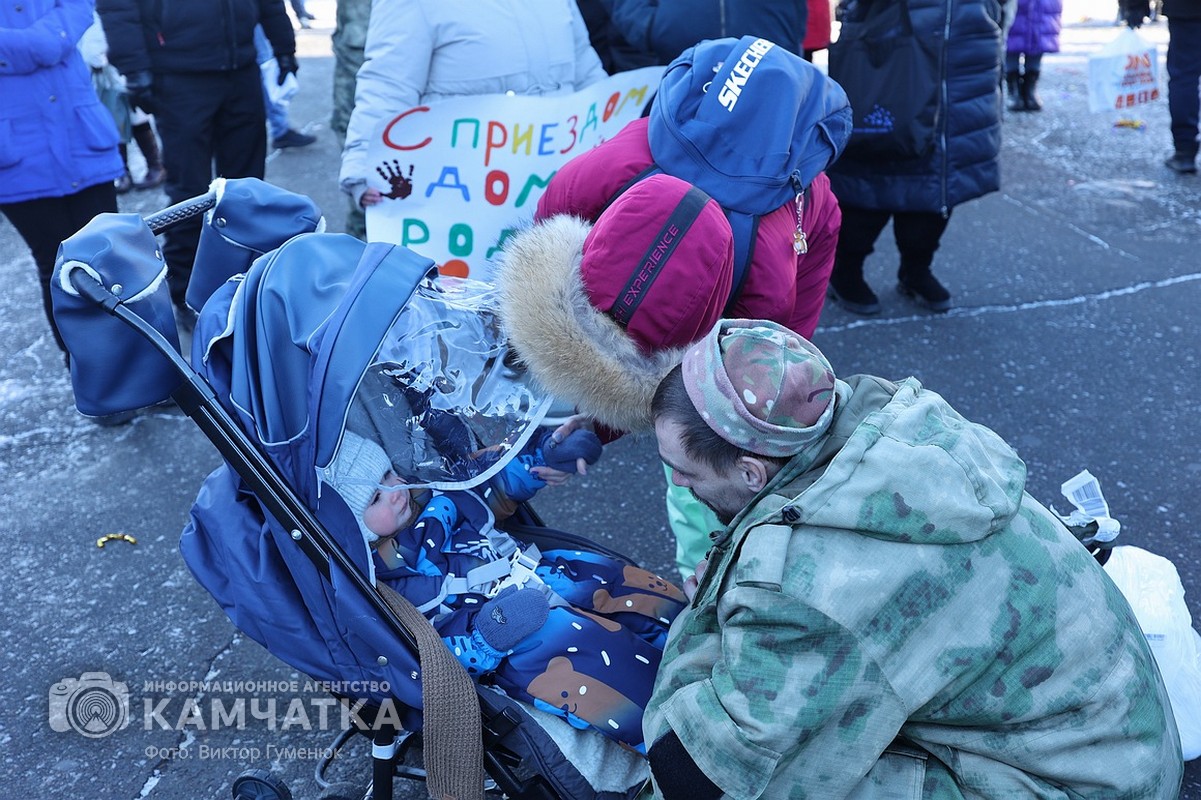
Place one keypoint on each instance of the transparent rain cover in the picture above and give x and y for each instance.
(438, 396)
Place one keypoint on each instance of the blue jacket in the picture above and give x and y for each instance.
(55, 137)
(667, 28)
(963, 163)
(191, 35)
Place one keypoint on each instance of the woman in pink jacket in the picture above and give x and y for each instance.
(780, 285)
(620, 270)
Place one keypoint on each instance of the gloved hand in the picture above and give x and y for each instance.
(139, 87)
(580, 443)
(287, 66)
(511, 616)
(1135, 11)
(518, 479)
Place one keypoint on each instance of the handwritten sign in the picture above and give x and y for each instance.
(461, 175)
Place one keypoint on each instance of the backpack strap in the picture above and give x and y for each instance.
(653, 169)
(681, 219)
(744, 226)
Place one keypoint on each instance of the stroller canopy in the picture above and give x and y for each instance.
(322, 335)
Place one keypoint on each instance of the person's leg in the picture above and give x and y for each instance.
(147, 141)
(640, 600)
(302, 14)
(45, 222)
(1013, 80)
(125, 182)
(239, 132)
(918, 234)
(277, 113)
(586, 669)
(1033, 68)
(856, 241)
(187, 108)
(1184, 83)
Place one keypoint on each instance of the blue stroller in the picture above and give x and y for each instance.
(295, 326)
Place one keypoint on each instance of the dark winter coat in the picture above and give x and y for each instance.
(668, 27)
(1182, 9)
(191, 35)
(1035, 27)
(963, 162)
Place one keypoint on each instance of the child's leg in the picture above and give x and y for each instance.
(587, 669)
(638, 599)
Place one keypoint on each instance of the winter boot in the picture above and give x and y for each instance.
(849, 290)
(1013, 87)
(1182, 162)
(1029, 84)
(919, 285)
(148, 143)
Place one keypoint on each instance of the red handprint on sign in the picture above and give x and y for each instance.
(402, 186)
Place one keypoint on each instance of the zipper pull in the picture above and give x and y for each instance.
(800, 244)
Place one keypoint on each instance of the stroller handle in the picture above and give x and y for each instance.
(196, 398)
(160, 221)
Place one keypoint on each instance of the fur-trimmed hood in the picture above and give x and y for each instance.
(600, 312)
(572, 349)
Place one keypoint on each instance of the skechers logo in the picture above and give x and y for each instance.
(741, 73)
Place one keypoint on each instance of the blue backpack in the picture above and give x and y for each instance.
(751, 124)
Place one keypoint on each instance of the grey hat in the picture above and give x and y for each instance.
(356, 473)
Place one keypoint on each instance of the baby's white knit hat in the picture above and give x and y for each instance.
(357, 473)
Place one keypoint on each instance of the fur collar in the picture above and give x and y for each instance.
(572, 350)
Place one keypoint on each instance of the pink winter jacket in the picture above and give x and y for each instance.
(780, 285)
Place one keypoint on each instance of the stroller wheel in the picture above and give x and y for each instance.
(259, 784)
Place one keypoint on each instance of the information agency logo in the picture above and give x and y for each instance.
(94, 705)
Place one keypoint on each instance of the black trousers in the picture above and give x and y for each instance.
(1184, 78)
(45, 222)
(211, 124)
(917, 234)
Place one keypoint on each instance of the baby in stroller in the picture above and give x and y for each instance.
(439, 441)
(325, 345)
(574, 633)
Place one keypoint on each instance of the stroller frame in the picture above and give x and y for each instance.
(198, 400)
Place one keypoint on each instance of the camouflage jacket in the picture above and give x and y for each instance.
(894, 616)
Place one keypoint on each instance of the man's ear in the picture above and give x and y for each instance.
(753, 472)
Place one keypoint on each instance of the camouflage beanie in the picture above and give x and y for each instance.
(760, 386)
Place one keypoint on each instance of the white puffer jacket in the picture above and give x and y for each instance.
(421, 51)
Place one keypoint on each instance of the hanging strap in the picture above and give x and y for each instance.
(744, 226)
(452, 735)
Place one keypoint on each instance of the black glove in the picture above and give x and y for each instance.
(1135, 11)
(287, 66)
(139, 87)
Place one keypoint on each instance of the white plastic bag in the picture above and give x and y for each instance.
(1152, 586)
(278, 94)
(1123, 74)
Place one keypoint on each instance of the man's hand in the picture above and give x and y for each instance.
(139, 87)
(573, 459)
(693, 581)
(287, 66)
(567, 451)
